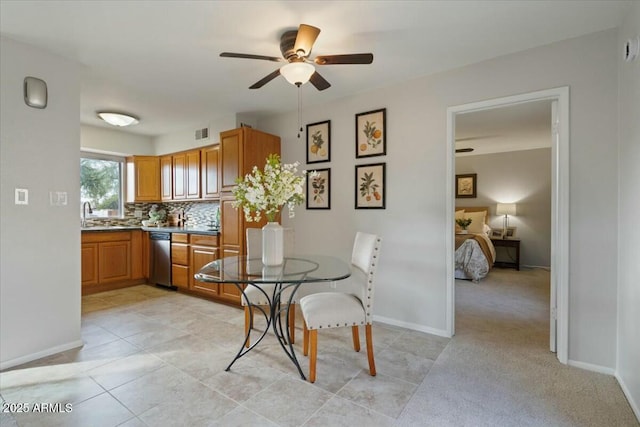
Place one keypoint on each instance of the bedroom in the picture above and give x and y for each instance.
(506, 151)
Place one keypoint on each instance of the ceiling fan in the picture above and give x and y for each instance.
(296, 46)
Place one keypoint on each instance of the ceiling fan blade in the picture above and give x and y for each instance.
(464, 150)
(319, 82)
(305, 39)
(265, 80)
(354, 58)
(249, 56)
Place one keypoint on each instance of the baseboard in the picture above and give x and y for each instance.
(541, 267)
(591, 367)
(635, 407)
(412, 326)
(39, 355)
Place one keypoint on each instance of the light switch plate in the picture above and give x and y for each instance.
(22, 196)
(58, 198)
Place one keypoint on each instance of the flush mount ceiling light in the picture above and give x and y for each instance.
(297, 73)
(118, 119)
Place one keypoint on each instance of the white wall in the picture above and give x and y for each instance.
(628, 369)
(522, 177)
(94, 138)
(185, 140)
(40, 244)
(412, 273)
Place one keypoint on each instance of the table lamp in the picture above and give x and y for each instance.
(505, 209)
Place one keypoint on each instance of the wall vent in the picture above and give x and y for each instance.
(202, 133)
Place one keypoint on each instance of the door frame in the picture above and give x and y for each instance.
(559, 208)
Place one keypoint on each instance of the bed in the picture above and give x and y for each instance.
(474, 252)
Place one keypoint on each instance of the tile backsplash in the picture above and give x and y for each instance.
(198, 214)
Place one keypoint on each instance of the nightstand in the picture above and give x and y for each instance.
(508, 243)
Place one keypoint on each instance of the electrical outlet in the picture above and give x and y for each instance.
(58, 198)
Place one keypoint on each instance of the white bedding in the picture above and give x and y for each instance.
(470, 261)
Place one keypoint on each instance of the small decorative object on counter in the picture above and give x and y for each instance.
(267, 192)
(157, 215)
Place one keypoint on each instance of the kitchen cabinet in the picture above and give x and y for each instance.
(186, 175)
(203, 250)
(143, 179)
(240, 150)
(166, 178)
(209, 158)
(180, 260)
(111, 260)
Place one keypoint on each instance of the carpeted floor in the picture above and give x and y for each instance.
(498, 371)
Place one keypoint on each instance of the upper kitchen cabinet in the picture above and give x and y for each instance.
(240, 150)
(186, 175)
(166, 177)
(209, 158)
(143, 179)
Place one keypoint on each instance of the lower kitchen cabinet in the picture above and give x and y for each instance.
(111, 260)
(180, 260)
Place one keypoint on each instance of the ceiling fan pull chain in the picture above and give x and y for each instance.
(299, 102)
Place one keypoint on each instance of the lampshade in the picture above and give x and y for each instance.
(118, 119)
(506, 209)
(297, 73)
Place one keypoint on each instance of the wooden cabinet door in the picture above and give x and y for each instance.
(232, 230)
(179, 176)
(166, 177)
(89, 254)
(137, 255)
(201, 256)
(147, 178)
(193, 174)
(115, 261)
(209, 157)
(231, 153)
(180, 276)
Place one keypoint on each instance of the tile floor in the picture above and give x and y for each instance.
(155, 357)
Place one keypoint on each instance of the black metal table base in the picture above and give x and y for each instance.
(273, 319)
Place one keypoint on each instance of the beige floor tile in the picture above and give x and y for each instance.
(242, 382)
(124, 370)
(402, 365)
(339, 412)
(384, 394)
(242, 417)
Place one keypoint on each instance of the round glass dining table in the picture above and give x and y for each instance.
(295, 271)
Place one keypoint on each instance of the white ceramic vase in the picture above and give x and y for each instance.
(272, 244)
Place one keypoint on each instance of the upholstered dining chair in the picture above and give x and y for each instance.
(327, 310)
(253, 294)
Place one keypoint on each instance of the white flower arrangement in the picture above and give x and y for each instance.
(269, 190)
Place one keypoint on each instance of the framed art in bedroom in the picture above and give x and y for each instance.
(319, 190)
(370, 186)
(371, 133)
(511, 233)
(319, 142)
(495, 234)
(466, 186)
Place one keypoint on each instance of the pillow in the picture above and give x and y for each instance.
(477, 221)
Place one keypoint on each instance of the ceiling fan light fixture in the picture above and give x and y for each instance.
(118, 119)
(297, 73)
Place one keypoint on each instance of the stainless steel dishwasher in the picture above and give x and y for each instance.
(160, 262)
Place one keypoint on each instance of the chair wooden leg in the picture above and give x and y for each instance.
(372, 363)
(314, 354)
(247, 322)
(356, 338)
(292, 323)
(305, 339)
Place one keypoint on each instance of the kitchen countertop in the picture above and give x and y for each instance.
(187, 230)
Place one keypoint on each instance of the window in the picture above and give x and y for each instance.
(101, 184)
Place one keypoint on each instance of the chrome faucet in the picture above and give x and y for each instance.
(84, 213)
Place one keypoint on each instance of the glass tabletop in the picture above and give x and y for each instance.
(294, 269)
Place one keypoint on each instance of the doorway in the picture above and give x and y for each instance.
(559, 98)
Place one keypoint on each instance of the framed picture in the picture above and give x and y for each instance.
(319, 190)
(466, 186)
(319, 142)
(495, 234)
(371, 133)
(370, 186)
(511, 232)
